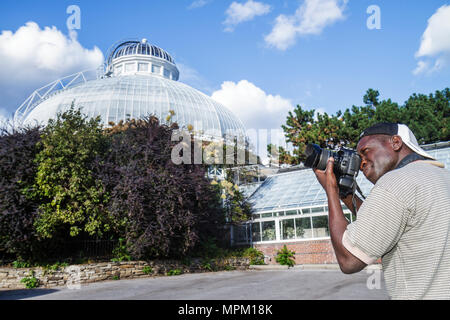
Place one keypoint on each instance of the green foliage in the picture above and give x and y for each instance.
(120, 252)
(30, 281)
(68, 191)
(236, 205)
(174, 272)
(21, 264)
(147, 270)
(116, 277)
(285, 257)
(256, 257)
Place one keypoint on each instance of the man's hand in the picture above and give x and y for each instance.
(327, 178)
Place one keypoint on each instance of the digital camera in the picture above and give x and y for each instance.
(346, 165)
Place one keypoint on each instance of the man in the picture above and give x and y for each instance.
(405, 220)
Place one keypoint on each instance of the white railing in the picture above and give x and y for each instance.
(50, 89)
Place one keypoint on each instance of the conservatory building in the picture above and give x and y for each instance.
(291, 208)
(137, 80)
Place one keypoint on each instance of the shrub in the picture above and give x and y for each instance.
(164, 209)
(30, 281)
(256, 257)
(69, 194)
(147, 270)
(284, 257)
(174, 272)
(120, 252)
(18, 149)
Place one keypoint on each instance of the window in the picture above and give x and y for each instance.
(266, 215)
(303, 228)
(156, 69)
(291, 212)
(287, 229)
(143, 67)
(316, 210)
(320, 226)
(256, 231)
(268, 230)
(130, 67)
(119, 69)
(166, 73)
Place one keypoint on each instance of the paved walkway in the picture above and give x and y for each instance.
(292, 284)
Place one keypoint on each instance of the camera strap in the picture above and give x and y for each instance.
(356, 188)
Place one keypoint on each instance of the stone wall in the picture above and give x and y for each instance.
(10, 278)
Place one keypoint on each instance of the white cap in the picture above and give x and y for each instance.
(410, 140)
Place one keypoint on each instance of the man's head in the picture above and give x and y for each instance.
(382, 146)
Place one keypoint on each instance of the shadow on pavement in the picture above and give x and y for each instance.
(23, 293)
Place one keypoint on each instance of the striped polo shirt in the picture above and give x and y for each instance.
(405, 221)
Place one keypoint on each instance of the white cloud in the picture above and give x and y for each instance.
(198, 4)
(238, 13)
(310, 18)
(256, 108)
(32, 57)
(435, 43)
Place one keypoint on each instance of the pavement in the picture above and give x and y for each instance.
(269, 283)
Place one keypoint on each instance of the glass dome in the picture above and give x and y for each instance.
(139, 80)
(136, 96)
(140, 47)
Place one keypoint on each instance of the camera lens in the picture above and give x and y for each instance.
(324, 156)
(312, 152)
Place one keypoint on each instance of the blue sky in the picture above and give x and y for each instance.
(327, 63)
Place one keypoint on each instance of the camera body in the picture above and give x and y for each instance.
(346, 165)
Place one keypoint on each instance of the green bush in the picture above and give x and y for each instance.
(174, 272)
(147, 270)
(285, 257)
(256, 257)
(31, 281)
(120, 252)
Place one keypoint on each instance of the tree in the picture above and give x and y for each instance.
(427, 116)
(69, 194)
(303, 128)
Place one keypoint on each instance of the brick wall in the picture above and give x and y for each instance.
(306, 252)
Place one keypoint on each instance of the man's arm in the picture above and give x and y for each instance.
(348, 202)
(337, 221)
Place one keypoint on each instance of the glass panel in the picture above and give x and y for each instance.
(318, 209)
(280, 214)
(156, 69)
(291, 212)
(307, 210)
(303, 228)
(268, 231)
(287, 229)
(266, 215)
(320, 225)
(129, 67)
(143, 67)
(166, 73)
(256, 231)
